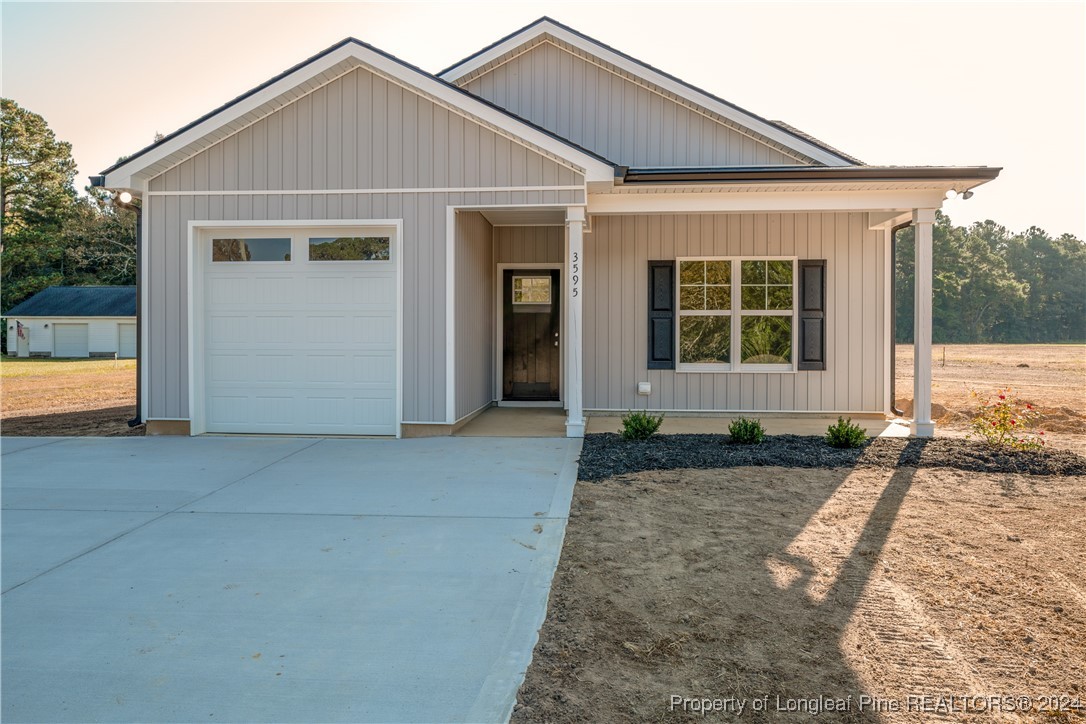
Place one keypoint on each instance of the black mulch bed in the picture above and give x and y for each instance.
(608, 454)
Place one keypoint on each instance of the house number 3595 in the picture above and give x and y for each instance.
(576, 273)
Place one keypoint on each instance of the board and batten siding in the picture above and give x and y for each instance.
(358, 132)
(475, 305)
(623, 121)
(529, 244)
(616, 299)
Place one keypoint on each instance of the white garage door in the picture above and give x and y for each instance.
(70, 340)
(126, 340)
(300, 331)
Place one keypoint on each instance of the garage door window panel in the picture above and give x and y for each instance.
(250, 250)
(350, 248)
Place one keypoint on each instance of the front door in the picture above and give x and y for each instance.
(531, 354)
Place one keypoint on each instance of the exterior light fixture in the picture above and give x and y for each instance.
(951, 193)
(125, 197)
(967, 195)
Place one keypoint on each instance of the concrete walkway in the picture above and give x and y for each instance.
(276, 579)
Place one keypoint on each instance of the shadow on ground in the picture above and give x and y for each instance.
(105, 422)
(730, 584)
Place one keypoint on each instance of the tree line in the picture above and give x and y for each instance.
(49, 234)
(990, 285)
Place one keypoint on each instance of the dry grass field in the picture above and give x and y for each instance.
(67, 397)
(1050, 377)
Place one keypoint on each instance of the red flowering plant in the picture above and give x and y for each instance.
(1005, 421)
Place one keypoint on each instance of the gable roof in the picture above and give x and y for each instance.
(778, 132)
(329, 64)
(78, 302)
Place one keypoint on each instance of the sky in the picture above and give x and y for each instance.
(913, 83)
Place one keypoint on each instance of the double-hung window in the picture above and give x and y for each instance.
(736, 314)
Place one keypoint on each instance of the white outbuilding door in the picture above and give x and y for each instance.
(70, 340)
(126, 340)
(299, 330)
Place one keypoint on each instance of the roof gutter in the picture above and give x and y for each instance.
(827, 174)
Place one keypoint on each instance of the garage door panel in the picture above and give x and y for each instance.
(300, 347)
(370, 411)
(277, 290)
(273, 409)
(324, 368)
(71, 340)
(373, 369)
(228, 289)
(225, 329)
(227, 409)
(269, 330)
(225, 368)
(126, 340)
(277, 369)
(377, 331)
(376, 292)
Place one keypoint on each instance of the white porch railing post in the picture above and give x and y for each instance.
(922, 425)
(574, 272)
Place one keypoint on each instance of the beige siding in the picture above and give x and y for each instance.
(359, 132)
(616, 328)
(475, 312)
(629, 123)
(529, 244)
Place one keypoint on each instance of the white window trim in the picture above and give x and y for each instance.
(736, 313)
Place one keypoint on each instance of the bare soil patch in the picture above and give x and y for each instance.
(769, 581)
(68, 397)
(1051, 377)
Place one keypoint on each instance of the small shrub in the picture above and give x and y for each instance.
(1005, 421)
(640, 425)
(845, 433)
(746, 431)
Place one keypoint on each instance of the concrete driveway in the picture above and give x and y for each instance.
(276, 579)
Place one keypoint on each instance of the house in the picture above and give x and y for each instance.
(74, 322)
(360, 247)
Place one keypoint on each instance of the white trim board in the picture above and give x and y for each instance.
(337, 192)
(736, 115)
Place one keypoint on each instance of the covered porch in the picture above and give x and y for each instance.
(590, 264)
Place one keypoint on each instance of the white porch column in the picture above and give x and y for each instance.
(922, 425)
(574, 272)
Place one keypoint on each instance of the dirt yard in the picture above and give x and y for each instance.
(931, 594)
(739, 584)
(67, 397)
(1050, 377)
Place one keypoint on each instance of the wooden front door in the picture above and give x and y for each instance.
(531, 354)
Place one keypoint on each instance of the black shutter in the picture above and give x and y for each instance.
(812, 314)
(661, 315)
